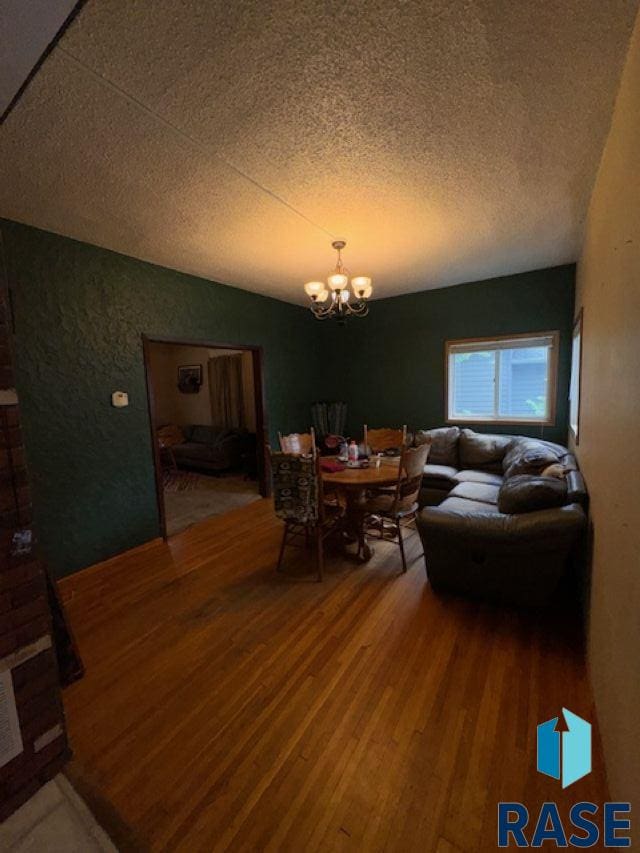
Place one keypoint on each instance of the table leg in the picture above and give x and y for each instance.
(355, 515)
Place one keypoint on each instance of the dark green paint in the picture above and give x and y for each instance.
(390, 365)
(80, 312)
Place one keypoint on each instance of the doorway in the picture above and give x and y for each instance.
(206, 408)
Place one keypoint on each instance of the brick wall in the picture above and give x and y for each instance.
(25, 617)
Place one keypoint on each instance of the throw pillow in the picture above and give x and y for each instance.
(528, 456)
(528, 493)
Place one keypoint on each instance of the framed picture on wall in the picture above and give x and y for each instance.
(189, 378)
(574, 385)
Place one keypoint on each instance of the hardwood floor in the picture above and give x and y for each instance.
(227, 707)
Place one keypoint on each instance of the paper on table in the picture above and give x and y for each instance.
(10, 737)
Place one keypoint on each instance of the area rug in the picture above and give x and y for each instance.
(190, 497)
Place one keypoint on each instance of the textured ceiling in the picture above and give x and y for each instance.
(447, 141)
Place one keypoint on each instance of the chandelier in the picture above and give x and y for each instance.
(336, 290)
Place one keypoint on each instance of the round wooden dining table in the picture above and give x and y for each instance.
(353, 484)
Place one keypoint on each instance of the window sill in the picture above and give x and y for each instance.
(502, 421)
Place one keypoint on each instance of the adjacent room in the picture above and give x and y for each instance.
(319, 491)
(202, 401)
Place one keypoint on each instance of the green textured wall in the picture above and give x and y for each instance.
(79, 313)
(390, 365)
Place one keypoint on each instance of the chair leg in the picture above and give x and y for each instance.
(282, 545)
(401, 543)
(319, 551)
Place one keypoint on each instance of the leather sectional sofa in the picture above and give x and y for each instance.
(516, 555)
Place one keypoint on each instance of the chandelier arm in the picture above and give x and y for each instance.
(321, 313)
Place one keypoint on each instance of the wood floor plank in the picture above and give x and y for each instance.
(230, 707)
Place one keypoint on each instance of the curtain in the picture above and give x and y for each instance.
(226, 392)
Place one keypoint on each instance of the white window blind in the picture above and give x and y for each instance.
(506, 379)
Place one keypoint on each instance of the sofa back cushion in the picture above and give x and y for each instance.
(481, 452)
(528, 456)
(528, 493)
(206, 434)
(444, 444)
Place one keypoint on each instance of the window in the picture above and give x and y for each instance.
(574, 386)
(502, 379)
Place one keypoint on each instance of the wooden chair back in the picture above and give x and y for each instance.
(300, 443)
(169, 436)
(384, 438)
(410, 473)
(298, 492)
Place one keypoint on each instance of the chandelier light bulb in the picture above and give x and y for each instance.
(337, 281)
(361, 285)
(314, 288)
(322, 296)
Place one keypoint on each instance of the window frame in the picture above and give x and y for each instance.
(552, 379)
(576, 373)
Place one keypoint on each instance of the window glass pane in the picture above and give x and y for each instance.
(473, 385)
(523, 382)
(574, 388)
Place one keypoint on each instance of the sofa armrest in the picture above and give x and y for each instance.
(576, 489)
(518, 559)
(491, 527)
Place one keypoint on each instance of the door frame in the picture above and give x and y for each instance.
(262, 442)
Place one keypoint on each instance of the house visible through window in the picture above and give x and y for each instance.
(511, 379)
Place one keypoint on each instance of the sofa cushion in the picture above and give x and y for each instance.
(441, 476)
(476, 492)
(205, 434)
(444, 444)
(478, 477)
(431, 496)
(528, 456)
(528, 493)
(194, 450)
(465, 506)
(483, 452)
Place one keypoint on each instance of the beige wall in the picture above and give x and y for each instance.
(608, 288)
(174, 407)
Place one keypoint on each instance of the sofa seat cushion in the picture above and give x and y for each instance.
(429, 496)
(527, 493)
(439, 476)
(482, 452)
(444, 444)
(482, 492)
(194, 450)
(478, 477)
(464, 506)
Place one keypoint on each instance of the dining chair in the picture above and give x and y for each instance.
(299, 502)
(167, 437)
(297, 442)
(387, 511)
(380, 440)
